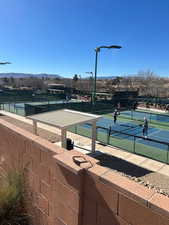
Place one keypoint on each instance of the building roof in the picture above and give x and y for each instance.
(63, 118)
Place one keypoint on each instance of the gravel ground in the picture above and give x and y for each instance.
(150, 179)
(50, 136)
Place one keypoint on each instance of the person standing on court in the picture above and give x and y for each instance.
(145, 127)
(115, 114)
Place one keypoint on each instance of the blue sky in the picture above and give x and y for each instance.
(59, 36)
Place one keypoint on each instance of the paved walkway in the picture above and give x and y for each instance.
(83, 144)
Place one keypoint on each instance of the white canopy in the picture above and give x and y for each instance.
(64, 119)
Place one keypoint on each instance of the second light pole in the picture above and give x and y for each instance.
(97, 50)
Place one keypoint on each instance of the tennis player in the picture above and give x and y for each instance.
(115, 114)
(145, 127)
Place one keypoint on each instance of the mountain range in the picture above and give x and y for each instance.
(40, 75)
(22, 75)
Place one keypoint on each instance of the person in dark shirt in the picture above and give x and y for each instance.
(145, 127)
(115, 114)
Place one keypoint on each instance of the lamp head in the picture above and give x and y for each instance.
(109, 47)
(4, 63)
(114, 46)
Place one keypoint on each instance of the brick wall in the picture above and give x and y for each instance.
(59, 192)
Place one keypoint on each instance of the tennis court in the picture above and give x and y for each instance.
(128, 136)
(130, 128)
(19, 108)
(156, 118)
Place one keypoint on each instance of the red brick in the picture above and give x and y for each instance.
(65, 176)
(59, 222)
(98, 170)
(27, 161)
(135, 213)
(67, 215)
(43, 204)
(34, 214)
(121, 221)
(44, 219)
(45, 189)
(18, 130)
(128, 187)
(98, 191)
(35, 154)
(45, 173)
(47, 146)
(28, 174)
(160, 204)
(36, 182)
(89, 212)
(46, 156)
(32, 182)
(66, 196)
(65, 160)
(28, 147)
(106, 217)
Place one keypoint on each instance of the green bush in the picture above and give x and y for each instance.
(12, 210)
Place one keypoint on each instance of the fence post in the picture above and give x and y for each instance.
(108, 135)
(134, 144)
(96, 133)
(167, 155)
(132, 114)
(75, 129)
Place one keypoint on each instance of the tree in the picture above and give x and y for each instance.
(75, 80)
(151, 84)
(116, 81)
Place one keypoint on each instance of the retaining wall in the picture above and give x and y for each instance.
(59, 192)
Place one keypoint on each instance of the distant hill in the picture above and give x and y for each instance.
(106, 77)
(22, 75)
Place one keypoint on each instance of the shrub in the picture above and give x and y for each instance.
(12, 210)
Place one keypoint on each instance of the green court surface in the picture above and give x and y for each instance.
(127, 135)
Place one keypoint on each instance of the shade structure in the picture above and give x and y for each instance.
(63, 119)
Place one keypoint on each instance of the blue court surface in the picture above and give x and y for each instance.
(150, 116)
(133, 128)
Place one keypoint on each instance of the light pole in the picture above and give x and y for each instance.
(4, 63)
(92, 86)
(97, 50)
